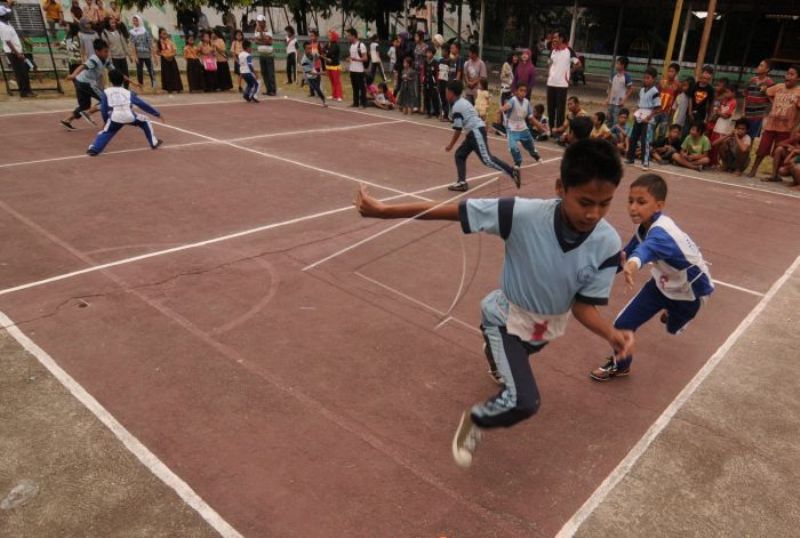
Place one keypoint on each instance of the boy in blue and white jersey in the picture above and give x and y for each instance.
(560, 259)
(465, 118)
(246, 70)
(518, 112)
(116, 107)
(311, 73)
(681, 281)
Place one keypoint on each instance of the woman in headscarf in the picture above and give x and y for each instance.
(333, 65)
(525, 73)
(142, 44)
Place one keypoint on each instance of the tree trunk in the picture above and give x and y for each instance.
(440, 17)
(300, 21)
(382, 25)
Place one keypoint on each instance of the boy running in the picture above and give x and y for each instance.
(116, 107)
(465, 117)
(518, 112)
(561, 257)
(87, 79)
(246, 70)
(681, 281)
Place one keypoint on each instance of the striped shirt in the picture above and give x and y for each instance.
(756, 102)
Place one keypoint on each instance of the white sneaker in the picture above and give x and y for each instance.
(465, 441)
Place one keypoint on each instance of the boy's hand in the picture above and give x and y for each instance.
(629, 269)
(367, 205)
(622, 342)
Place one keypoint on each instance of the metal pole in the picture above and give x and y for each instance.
(460, 5)
(686, 24)
(480, 29)
(673, 33)
(778, 41)
(750, 36)
(721, 39)
(574, 24)
(701, 55)
(616, 39)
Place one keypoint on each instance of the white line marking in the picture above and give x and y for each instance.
(292, 161)
(313, 131)
(393, 227)
(735, 287)
(142, 453)
(571, 527)
(157, 105)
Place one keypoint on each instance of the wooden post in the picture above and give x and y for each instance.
(574, 24)
(616, 38)
(750, 36)
(673, 33)
(686, 24)
(480, 28)
(701, 54)
(460, 5)
(780, 38)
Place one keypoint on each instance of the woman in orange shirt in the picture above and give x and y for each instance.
(194, 69)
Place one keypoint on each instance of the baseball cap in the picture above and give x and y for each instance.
(261, 18)
(4, 11)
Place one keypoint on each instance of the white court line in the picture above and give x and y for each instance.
(160, 105)
(292, 161)
(669, 170)
(578, 518)
(418, 303)
(142, 453)
(735, 287)
(186, 144)
(393, 227)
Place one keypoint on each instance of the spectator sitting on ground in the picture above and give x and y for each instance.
(574, 110)
(600, 129)
(620, 131)
(784, 157)
(664, 148)
(540, 135)
(580, 128)
(384, 99)
(733, 149)
(695, 148)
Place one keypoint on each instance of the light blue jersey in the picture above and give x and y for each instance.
(465, 116)
(678, 267)
(93, 71)
(546, 268)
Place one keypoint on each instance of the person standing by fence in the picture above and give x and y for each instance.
(12, 47)
(266, 55)
(358, 58)
(562, 57)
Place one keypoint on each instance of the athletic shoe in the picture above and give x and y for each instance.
(536, 156)
(68, 125)
(516, 176)
(494, 374)
(460, 186)
(254, 99)
(158, 143)
(465, 441)
(324, 105)
(644, 166)
(91, 153)
(85, 115)
(608, 370)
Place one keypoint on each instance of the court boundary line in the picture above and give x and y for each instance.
(164, 105)
(574, 523)
(128, 440)
(735, 287)
(17, 164)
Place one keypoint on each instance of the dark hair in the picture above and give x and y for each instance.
(457, 44)
(740, 121)
(700, 126)
(561, 34)
(724, 81)
(246, 44)
(456, 86)
(601, 116)
(352, 32)
(421, 35)
(581, 127)
(383, 87)
(236, 34)
(651, 71)
(522, 85)
(217, 32)
(795, 68)
(624, 111)
(623, 60)
(99, 44)
(768, 62)
(574, 99)
(539, 108)
(676, 66)
(315, 32)
(369, 80)
(73, 29)
(473, 49)
(591, 159)
(675, 126)
(306, 44)
(116, 78)
(690, 80)
(654, 184)
(289, 30)
(430, 49)
(708, 69)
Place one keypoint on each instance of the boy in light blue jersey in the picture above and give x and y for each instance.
(649, 108)
(681, 281)
(518, 112)
(465, 118)
(560, 259)
(311, 73)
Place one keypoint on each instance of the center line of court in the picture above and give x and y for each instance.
(296, 163)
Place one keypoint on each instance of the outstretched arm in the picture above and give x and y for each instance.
(372, 208)
(589, 317)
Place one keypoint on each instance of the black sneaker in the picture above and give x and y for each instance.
(158, 143)
(254, 99)
(516, 176)
(460, 186)
(91, 153)
(536, 156)
(608, 370)
(68, 125)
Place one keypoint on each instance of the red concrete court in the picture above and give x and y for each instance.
(322, 402)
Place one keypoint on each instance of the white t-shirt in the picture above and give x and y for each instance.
(560, 62)
(8, 33)
(374, 55)
(119, 100)
(357, 49)
(392, 55)
(244, 67)
(263, 49)
(291, 45)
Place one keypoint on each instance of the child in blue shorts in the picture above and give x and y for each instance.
(681, 281)
(560, 259)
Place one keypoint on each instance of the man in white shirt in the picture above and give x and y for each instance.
(561, 61)
(266, 55)
(12, 47)
(358, 58)
(375, 59)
